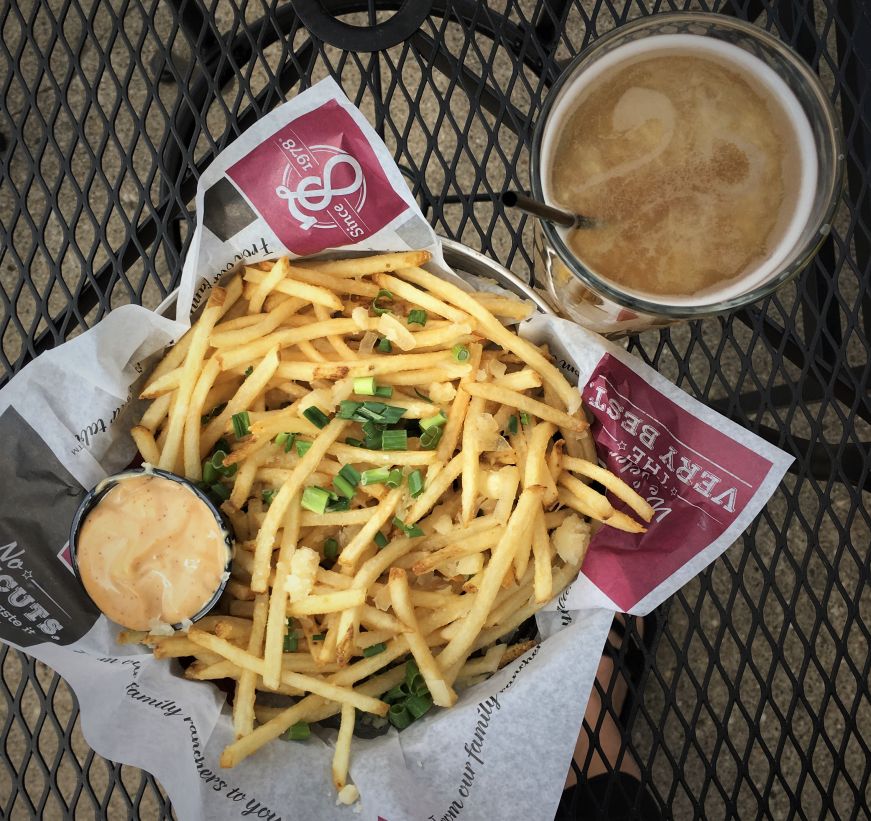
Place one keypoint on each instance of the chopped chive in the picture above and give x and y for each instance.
(354, 443)
(315, 499)
(431, 437)
(291, 642)
(399, 716)
(380, 540)
(379, 304)
(298, 732)
(375, 649)
(394, 479)
(409, 530)
(210, 475)
(331, 549)
(344, 487)
(216, 411)
(524, 418)
(460, 353)
(436, 420)
(319, 636)
(351, 474)
(394, 440)
(415, 483)
(222, 492)
(385, 391)
(365, 385)
(512, 425)
(241, 421)
(384, 345)
(417, 317)
(268, 496)
(417, 705)
(248, 371)
(316, 416)
(302, 447)
(375, 476)
(423, 396)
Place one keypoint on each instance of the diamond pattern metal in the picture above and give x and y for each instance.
(754, 699)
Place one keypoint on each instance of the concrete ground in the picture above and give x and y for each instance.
(781, 643)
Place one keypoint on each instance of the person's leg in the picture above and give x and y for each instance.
(610, 785)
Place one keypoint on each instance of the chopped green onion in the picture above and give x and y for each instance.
(460, 353)
(217, 459)
(399, 716)
(241, 421)
(512, 425)
(344, 487)
(417, 705)
(384, 345)
(376, 412)
(316, 416)
(524, 418)
(375, 649)
(354, 443)
(351, 474)
(221, 491)
(394, 694)
(339, 504)
(319, 636)
(409, 530)
(411, 670)
(436, 420)
(302, 447)
(380, 540)
(394, 479)
(417, 317)
(374, 476)
(298, 732)
(281, 438)
(347, 408)
(415, 483)
(331, 549)
(315, 499)
(431, 437)
(365, 385)
(423, 396)
(286, 439)
(418, 686)
(210, 475)
(268, 496)
(394, 440)
(291, 642)
(248, 371)
(378, 306)
(216, 411)
(385, 391)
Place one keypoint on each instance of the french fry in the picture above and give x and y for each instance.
(352, 551)
(459, 408)
(193, 361)
(611, 482)
(145, 444)
(342, 753)
(326, 603)
(522, 402)
(156, 413)
(442, 693)
(541, 555)
(434, 490)
(364, 266)
(599, 507)
(192, 426)
(415, 296)
(228, 338)
(243, 703)
(536, 471)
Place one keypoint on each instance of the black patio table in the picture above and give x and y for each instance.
(754, 699)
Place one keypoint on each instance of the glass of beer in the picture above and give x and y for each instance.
(709, 159)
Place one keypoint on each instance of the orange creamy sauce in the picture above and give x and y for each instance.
(151, 551)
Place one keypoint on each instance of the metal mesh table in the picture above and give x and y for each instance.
(755, 698)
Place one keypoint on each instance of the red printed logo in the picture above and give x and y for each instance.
(697, 479)
(318, 183)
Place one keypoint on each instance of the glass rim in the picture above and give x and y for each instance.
(800, 257)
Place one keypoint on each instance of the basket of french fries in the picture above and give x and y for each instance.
(408, 481)
(409, 478)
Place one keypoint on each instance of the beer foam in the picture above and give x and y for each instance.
(726, 164)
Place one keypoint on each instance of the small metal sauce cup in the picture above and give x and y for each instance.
(95, 496)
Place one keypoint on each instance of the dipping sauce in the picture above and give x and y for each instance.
(690, 164)
(151, 553)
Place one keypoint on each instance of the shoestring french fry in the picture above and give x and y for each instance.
(395, 466)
